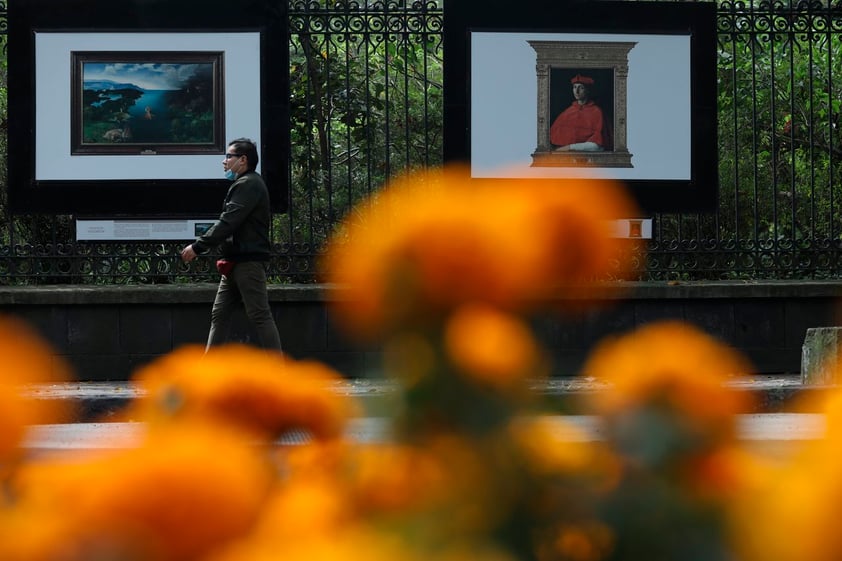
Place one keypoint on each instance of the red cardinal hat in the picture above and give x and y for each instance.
(579, 79)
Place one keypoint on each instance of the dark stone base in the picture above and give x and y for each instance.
(107, 332)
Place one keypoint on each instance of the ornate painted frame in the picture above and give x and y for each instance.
(573, 55)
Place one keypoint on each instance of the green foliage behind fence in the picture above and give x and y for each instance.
(366, 103)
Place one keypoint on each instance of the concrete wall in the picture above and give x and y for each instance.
(108, 331)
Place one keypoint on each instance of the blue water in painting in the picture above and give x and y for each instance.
(106, 98)
(151, 117)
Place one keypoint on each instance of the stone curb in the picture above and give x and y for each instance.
(203, 292)
(103, 401)
(762, 431)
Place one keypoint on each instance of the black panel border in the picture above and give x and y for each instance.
(137, 197)
(700, 192)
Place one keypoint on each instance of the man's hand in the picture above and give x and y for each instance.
(188, 254)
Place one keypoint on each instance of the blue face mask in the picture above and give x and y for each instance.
(230, 175)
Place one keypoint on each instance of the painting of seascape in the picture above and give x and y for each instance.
(146, 102)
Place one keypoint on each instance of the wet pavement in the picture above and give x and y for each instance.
(103, 401)
(757, 429)
(775, 424)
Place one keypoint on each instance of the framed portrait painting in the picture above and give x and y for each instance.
(127, 108)
(620, 91)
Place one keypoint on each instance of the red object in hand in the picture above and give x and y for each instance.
(224, 266)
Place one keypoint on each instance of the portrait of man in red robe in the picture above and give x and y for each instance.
(582, 126)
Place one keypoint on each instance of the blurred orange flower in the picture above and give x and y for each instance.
(352, 543)
(14, 415)
(676, 366)
(583, 541)
(34, 534)
(476, 499)
(436, 239)
(570, 225)
(27, 356)
(792, 513)
(553, 446)
(262, 392)
(724, 474)
(393, 478)
(493, 348)
(307, 507)
(27, 359)
(365, 481)
(176, 497)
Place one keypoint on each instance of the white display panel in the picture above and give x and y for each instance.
(53, 159)
(503, 106)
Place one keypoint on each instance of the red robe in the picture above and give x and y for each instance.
(581, 123)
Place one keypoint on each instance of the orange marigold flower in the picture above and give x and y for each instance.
(306, 507)
(830, 404)
(27, 359)
(471, 549)
(13, 421)
(178, 496)
(471, 508)
(262, 392)
(319, 458)
(386, 478)
(492, 348)
(799, 500)
(352, 543)
(674, 365)
(724, 474)
(370, 479)
(571, 225)
(552, 446)
(792, 514)
(434, 240)
(40, 534)
(585, 541)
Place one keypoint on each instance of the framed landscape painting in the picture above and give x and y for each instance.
(147, 102)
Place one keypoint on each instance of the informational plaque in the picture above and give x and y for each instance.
(633, 228)
(130, 229)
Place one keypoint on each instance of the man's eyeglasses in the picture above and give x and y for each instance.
(228, 156)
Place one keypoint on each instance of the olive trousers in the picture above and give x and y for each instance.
(246, 285)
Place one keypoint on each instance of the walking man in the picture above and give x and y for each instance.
(242, 233)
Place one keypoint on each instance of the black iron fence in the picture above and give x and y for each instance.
(366, 102)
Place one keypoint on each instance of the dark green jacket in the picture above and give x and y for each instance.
(242, 230)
